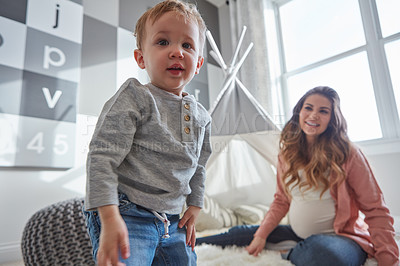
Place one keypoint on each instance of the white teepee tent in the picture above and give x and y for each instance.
(241, 169)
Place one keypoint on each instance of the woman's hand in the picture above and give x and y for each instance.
(256, 246)
(189, 220)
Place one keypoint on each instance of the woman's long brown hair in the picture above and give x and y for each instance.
(323, 159)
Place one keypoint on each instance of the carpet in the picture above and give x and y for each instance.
(210, 255)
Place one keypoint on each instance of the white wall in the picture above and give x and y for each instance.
(386, 168)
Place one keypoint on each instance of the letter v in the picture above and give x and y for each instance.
(51, 102)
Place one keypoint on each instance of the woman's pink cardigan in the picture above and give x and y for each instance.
(360, 192)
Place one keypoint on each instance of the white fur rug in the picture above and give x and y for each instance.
(210, 255)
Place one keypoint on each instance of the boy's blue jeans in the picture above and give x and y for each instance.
(147, 245)
(315, 250)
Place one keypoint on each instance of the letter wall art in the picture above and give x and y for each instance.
(40, 57)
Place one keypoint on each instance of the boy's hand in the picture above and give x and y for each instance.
(114, 237)
(189, 220)
(256, 246)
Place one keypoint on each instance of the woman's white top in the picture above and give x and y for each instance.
(309, 214)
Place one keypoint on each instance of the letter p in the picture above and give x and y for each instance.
(47, 60)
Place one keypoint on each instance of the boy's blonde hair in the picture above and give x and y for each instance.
(187, 10)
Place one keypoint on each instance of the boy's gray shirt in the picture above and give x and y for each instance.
(151, 145)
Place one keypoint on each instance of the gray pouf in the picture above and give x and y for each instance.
(57, 235)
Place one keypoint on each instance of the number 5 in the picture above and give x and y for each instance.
(60, 144)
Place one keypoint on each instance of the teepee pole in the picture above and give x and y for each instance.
(233, 61)
(216, 58)
(232, 75)
(215, 49)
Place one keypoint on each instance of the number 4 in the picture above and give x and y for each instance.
(36, 143)
(60, 144)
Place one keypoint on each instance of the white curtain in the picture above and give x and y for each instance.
(260, 71)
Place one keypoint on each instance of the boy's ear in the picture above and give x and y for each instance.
(200, 62)
(139, 58)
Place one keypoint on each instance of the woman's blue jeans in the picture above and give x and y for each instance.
(315, 250)
(147, 245)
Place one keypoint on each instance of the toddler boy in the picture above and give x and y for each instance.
(148, 152)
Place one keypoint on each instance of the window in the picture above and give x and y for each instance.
(352, 46)
(388, 11)
(393, 56)
(313, 30)
(360, 111)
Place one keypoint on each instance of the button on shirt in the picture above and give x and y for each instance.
(151, 145)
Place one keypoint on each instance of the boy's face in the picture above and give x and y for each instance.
(170, 52)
